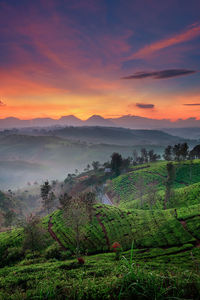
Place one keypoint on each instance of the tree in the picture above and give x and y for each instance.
(184, 151)
(151, 192)
(195, 152)
(116, 163)
(168, 153)
(140, 187)
(169, 183)
(9, 218)
(177, 152)
(64, 200)
(144, 155)
(89, 200)
(180, 151)
(48, 197)
(135, 157)
(95, 165)
(153, 156)
(126, 163)
(76, 216)
(34, 234)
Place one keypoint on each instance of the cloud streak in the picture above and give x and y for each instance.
(145, 106)
(191, 104)
(189, 34)
(164, 74)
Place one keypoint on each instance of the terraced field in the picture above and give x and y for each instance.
(123, 189)
(165, 246)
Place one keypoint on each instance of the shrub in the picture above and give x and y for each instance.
(117, 248)
(53, 251)
(12, 255)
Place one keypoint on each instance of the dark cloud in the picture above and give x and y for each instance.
(161, 74)
(191, 104)
(145, 106)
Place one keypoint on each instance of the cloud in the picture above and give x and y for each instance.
(145, 106)
(160, 74)
(2, 103)
(187, 35)
(191, 104)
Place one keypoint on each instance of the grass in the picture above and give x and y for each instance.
(102, 277)
(186, 186)
(161, 253)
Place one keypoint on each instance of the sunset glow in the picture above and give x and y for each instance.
(68, 57)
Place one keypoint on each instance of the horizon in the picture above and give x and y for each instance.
(106, 118)
(108, 59)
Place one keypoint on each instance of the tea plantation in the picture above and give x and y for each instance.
(160, 256)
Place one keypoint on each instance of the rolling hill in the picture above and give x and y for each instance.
(161, 248)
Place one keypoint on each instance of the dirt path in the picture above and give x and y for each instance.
(52, 233)
(184, 224)
(103, 229)
(106, 200)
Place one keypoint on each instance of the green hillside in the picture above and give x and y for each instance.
(146, 228)
(157, 237)
(124, 190)
(160, 248)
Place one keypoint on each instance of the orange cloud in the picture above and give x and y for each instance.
(185, 36)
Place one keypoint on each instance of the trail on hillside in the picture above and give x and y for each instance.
(184, 224)
(103, 229)
(106, 200)
(52, 233)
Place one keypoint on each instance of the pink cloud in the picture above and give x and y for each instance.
(189, 34)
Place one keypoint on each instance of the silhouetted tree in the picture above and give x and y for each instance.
(184, 151)
(135, 157)
(168, 153)
(95, 165)
(153, 156)
(180, 151)
(116, 163)
(195, 152)
(48, 197)
(144, 155)
(126, 163)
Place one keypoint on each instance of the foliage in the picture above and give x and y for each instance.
(116, 163)
(34, 234)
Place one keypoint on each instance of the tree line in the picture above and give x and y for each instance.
(180, 152)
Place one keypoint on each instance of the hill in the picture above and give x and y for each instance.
(126, 121)
(158, 236)
(161, 248)
(124, 189)
(39, 154)
(117, 136)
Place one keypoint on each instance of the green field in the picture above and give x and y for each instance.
(161, 248)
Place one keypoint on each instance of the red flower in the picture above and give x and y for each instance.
(81, 260)
(116, 246)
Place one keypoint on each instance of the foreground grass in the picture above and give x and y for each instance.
(137, 274)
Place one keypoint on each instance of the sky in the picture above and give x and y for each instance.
(105, 57)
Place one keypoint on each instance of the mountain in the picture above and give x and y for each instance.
(70, 121)
(97, 120)
(114, 135)
(186, 133)
(127, 121)
(136, 122)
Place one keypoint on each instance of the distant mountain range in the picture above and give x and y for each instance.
(128, 121)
